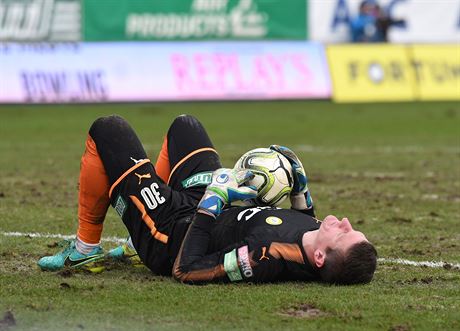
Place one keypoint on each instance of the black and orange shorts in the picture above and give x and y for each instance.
(156, 203)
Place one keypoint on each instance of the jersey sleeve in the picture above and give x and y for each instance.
(237, 262)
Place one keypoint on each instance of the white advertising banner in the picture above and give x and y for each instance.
(426, 21)
(40, 20)
(142, 71)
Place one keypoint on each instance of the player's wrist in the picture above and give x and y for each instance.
(205, 212)
(211, 203)
(298, 201)
(301, 201)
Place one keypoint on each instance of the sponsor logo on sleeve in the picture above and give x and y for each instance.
(120, 206)
(245, 264)
(231, 266)
(199, 179)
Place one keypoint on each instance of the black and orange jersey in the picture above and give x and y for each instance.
(256, 244)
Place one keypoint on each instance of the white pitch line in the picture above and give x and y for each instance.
(429, 264)
(303, 148)
(56, 236)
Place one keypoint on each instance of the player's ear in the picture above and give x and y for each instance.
(319, 256)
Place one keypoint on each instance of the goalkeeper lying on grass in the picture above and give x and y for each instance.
(181, 221)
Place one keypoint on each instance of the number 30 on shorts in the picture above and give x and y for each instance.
(151, 196)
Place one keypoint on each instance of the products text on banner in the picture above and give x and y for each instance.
(194, 20)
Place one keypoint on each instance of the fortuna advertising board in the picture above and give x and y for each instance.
(368, 73)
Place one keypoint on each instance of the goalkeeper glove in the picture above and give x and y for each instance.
(226, 187)
(300, 195)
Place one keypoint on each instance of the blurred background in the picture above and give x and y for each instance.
(92, 51)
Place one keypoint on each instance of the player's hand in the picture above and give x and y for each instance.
(300, 196)
(226, 187)
(298, 172)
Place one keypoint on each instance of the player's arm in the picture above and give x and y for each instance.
(300, 196)
(193, 263)
(238, 262)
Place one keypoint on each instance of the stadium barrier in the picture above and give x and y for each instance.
(40, 20)
(437, 71)
(172, 20)
(175, 71)
(425, 21)
(167, 71)
(369, 73)
(194, 20)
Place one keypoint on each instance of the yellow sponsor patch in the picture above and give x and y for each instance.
(272, 220)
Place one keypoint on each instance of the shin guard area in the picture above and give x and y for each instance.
(93, 198)
(162, 166)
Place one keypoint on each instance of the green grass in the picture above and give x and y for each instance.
(393, 169)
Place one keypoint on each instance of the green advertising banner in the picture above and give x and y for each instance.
(109, 20)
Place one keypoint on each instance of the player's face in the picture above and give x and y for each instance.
(337, 234)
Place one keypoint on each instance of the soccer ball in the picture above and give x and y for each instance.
(273, 175)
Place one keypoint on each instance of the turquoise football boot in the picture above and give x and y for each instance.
(70, 257)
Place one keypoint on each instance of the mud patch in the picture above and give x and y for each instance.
(399, 220)
(53, 245)
(66, 273)
(7, 321)
(304, 311)
(402, 327)
(414, 251)
(448, 266)
(415, 280)
(434, 214)
(39, 307)
(64, 286)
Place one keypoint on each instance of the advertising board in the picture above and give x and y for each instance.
(194, 20)
(40, 20)
(437, 71)
(425, 21)
(140, 71)
(362, 73)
